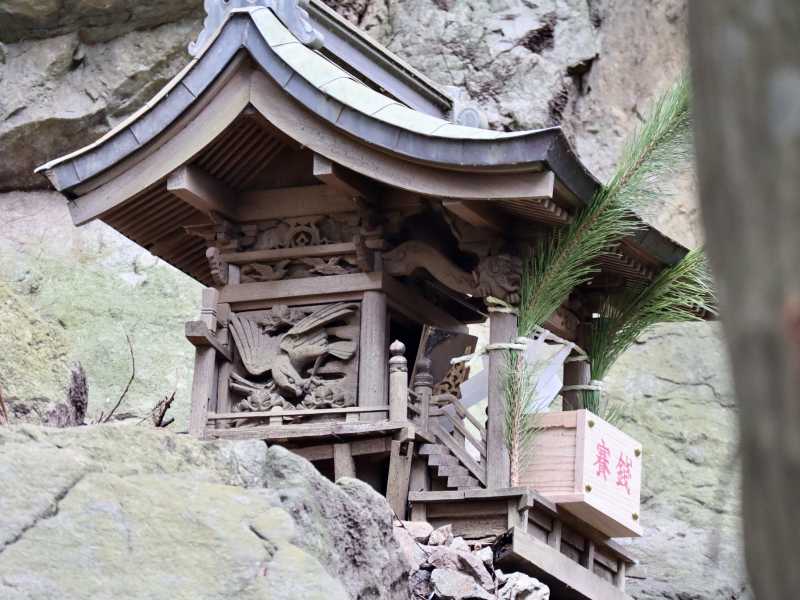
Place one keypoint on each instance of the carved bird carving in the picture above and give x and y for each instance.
(289, 355)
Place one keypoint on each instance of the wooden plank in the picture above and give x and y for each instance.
(400, 459)
(373, 351)
(471, 508)
(517, 516)
(302, 201)
(348, 182)
(380, 445)
(479, 215)
(445, 438)
(502, 329)
(224, 396)
(343, 464)
(466, 435)
(199, 335)
(468, 495)
(278, 254)
(619, 576)
(202, 191)
(415, 307)
(311, 431)
(554, 537)
(299, 289)
(465, 414)
(297, 413)
(566, 578)
(205, 363)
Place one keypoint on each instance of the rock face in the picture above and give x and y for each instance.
(70, 69)
(679, 404)
(128, 512)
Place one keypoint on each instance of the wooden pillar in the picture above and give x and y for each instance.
(502, 329)
(554, 536)
(204, 368)
(423, 389)
(343, 463)
(373, 353)
(398, 382)
(400, 459)
(619, 576)
(575, 373)
(420, 474)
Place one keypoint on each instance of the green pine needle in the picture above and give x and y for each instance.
(679, 293)
(657, 151)
(519, 386)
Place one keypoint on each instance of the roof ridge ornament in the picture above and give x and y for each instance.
(292, 13)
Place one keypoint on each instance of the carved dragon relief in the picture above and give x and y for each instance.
(499, 276)
(295, 358)
(292, 13)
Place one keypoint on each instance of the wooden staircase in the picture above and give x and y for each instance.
(448, 467)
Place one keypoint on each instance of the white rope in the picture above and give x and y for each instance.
(594, 385)
(495, 305)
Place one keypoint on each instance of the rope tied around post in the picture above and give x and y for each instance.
(595, 385)
(495, 305)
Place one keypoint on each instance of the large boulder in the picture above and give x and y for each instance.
(60, 92)
(128, 512)
(94, 20)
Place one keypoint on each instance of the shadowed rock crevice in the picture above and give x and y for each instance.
(50, 512)
(542, 38)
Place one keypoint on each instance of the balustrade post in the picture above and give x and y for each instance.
(502, 330)
(423, 389)
(398, 382)
(204, 368)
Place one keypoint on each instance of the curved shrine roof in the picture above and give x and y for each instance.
(349, 105)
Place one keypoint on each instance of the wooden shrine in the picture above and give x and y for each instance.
(349, 224)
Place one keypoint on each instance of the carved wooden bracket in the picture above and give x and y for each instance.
(497, 276)
(217, 266)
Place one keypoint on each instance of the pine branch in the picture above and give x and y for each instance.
(519, 384)
(560, 264)
(679, 293)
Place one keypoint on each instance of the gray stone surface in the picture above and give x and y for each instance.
(450, 584)
(129, 512)
(93, 20)
(676, 398)
(442, 536)
(518, 586)
(419, 530)
(61, 92)
(449, 557)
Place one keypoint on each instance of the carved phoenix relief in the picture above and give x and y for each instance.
(297, 358)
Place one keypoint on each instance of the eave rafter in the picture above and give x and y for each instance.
(205, 193)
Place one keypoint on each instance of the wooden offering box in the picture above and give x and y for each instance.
(589, 468)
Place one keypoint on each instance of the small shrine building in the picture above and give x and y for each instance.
(350, 220)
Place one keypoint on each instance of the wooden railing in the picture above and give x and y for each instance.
(450, 410)
(444, 416)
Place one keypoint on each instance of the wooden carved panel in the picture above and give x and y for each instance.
(287, 248)
(296, 357)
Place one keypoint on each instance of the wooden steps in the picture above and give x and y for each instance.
(448, 467)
